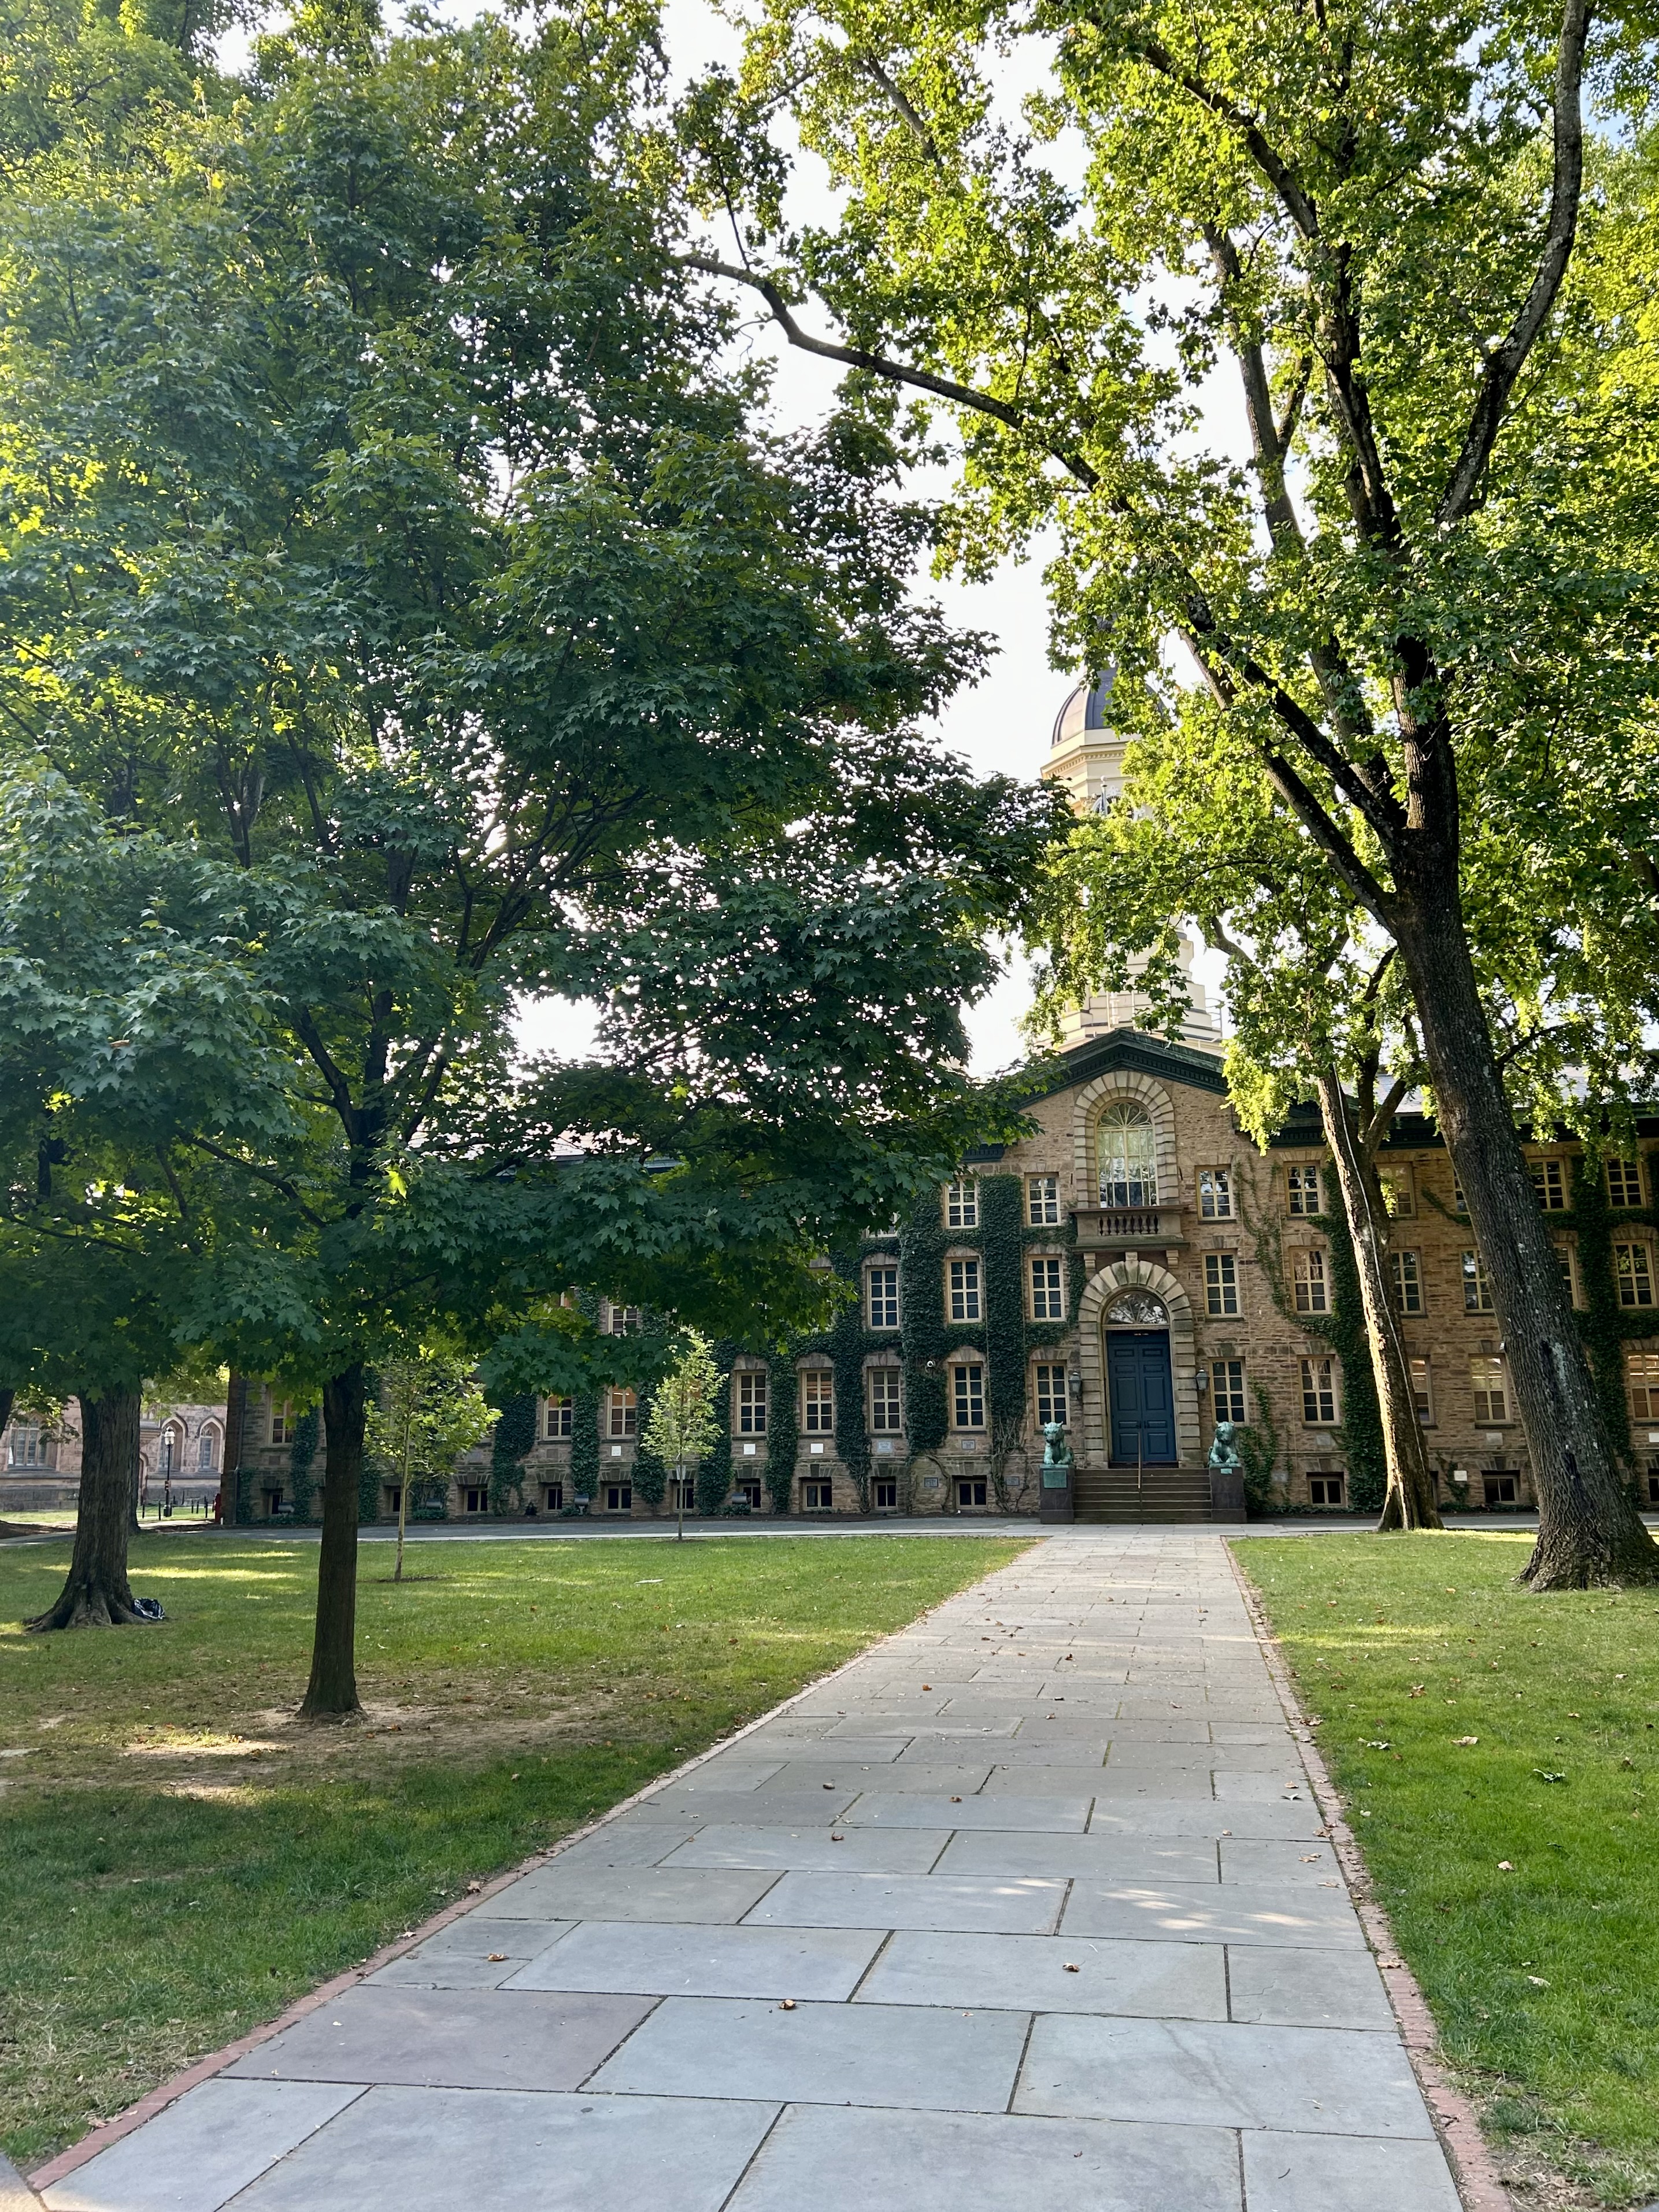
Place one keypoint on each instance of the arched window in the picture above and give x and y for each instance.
(1128, 1157)
(1137, 1309)
(207, 1450)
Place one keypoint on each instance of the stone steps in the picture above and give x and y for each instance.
(1161, 1493)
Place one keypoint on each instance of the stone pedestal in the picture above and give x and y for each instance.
(1057, 1497)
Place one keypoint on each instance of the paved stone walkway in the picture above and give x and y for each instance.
(1028, 1909)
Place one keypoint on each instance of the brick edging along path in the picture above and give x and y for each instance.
(1473, 2166)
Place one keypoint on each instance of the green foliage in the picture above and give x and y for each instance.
(849, 1340)
(685, 1419)
(514, 1436)
(921, 1271)
(782, 1432)
(715, 1470)
(1257, 1444)
(301, 1460)
(583, 1443)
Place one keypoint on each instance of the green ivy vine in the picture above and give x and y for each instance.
(715, 1471)
(782, 1432)
(302, 1460)
(514, 1437)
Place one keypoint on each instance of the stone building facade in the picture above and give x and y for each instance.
(1137, 1269)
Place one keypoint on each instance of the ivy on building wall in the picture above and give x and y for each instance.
(515, 1438)
(714, 1483)
(782, 1432)
(1608, 1329)
(847, 1342)
(923, 1344)
(302, 1461)
(584, 1444)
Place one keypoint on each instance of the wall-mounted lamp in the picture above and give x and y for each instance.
(1075, 1383)
(1202, 1381)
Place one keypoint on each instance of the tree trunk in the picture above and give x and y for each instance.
(1589, 1529)
(96, 1593)
(332, 1690)
(1410, 1500)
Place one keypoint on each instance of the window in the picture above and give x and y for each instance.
(1051, 1393)
(750, 1492)
(394, 1499)
(1324, 1490)
(814, 1496)
(1399, 1200)
(1460, 1204)
(553, 1497)
(474, 1498)
(560, 1412)
(1422, 1390)
(961, 1205)
(1308, 1274)
(882, 1291)
(1642, 1377)
(274, 1504)
(683, 1493)
(28, 1447)
(1128, 1158)
(883, 1495)
(1319, 1391)
(1550, 1182)
(282, 1420)
(885, 1416)
(818, 1400)
(1623, 1182)
(1569, 1281)
(1303, 1190)
(1406, 1270)
(621, 1320)
(1477, 1290)
(965, 1290)
(1490, 1393)
(619, 1498)
(751, 1401)
(1221, 1282)
(1041, 1201)
(970, 1491)
(622, 1407)
(1499, 1489)
(1047, 1291)
(207, 1451)
(1632, 1270)
(1215, 1193)
(968, 1395)
(1227, 1391)
(1653, 1482)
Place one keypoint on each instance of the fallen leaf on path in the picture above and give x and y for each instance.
(788, 2005)
(495, 1958)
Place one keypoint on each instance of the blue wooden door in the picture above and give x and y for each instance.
(1142, 1397)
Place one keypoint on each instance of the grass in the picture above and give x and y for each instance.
(178, 1858)
(1540, 1971)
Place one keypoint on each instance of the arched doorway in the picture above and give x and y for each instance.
(1139, 1381)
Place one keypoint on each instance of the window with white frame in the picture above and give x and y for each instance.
(751, 1401)
(622, 1414)
(1641, 1379)
(1422, 1380)
(557, 1419)
(207, 1450)
(1319, 1391)
(1399, 1198)
(1127, 1148)
(1303, 1193)
(621, 1320)
(1215, 1193)
(1492, 1399)
(881, 1294)
(1564, 1260)
(817, 1401)
(1043, 1200)
(1406, 1276)
(1310, 1282)
(1048, 1390)
(1632, 1270)
(282, 1420)
(963, 1280)
(1227, 1391)
(1549, 1183)
(25, 1445)
(967, 1395)
(886, 1412)
(1623, 1182)
(1048, 1288)
(962, 1204)
(1477, 1290)
(1220, 1283)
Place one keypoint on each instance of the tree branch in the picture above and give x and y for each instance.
(1503, 366)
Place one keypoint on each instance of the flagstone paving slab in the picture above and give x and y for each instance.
(750, 1992)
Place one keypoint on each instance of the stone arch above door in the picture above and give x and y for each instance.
(1122, 1085)
(1102, 1288)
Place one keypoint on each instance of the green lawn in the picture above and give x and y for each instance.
(179, 1859)
(1543, 1975)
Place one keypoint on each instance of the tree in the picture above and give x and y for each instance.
(1196, 839)
(471, 610)
(428, 1410)
(682, 1422)
(122, 1013)
(1402, 604)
